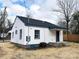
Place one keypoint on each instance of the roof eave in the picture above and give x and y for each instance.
(58, 29)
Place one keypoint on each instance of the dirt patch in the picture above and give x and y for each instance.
(2, 52)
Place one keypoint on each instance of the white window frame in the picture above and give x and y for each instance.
(37, 35)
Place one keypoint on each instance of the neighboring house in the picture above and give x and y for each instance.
(5, 34)
(27, 31)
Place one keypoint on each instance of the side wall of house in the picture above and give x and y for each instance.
(15, 38)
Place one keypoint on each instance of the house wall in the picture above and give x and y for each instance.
(17, 26)
(46, 35)
(31, 34)
(61, 35)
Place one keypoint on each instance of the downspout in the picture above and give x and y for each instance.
(28, 30)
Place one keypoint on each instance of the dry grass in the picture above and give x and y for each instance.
(9, 51)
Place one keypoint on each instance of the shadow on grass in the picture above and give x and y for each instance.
(38, 48)
(47, 47)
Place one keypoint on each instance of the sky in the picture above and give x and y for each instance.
(38, 9)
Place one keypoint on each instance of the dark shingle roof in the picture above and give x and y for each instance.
(38, 23)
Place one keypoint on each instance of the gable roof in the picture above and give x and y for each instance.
(38, 23)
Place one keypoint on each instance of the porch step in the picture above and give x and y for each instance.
(57, 44)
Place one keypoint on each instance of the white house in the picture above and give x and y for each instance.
(27, 31)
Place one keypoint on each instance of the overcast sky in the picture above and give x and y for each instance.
(39, 9)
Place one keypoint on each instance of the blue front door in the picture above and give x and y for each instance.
(57, 36)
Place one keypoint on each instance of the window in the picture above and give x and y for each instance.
(12, 34)
(16, 32)
(20, 33)
(37, 34)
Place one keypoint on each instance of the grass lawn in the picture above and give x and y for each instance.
(9, 51)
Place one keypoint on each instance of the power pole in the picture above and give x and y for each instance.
(27, 15)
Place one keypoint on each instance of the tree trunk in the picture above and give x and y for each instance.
(3, 35)
(67, 30)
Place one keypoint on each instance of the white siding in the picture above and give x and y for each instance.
(50, 36)
(45, 35)
(17, 26)
(31, 34)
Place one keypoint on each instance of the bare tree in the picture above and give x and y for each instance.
(74, 23)
(1, 20)
(9, 24)
(62, 23)
(66, 8)
(3, 17)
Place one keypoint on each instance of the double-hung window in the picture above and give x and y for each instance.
(20, 33)
(37, 34)
(16, 32)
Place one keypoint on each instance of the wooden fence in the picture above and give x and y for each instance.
(72, 37)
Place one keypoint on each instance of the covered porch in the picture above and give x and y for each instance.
(58, 35)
